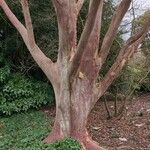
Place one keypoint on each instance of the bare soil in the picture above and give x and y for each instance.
(131, 132)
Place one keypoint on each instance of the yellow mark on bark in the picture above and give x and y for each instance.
(81, 75)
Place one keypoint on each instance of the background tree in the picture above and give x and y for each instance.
(140, 65)
(74, 75)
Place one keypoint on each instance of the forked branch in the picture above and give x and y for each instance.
(90, 34)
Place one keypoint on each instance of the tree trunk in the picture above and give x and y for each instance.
(75, 73)
(81, 97)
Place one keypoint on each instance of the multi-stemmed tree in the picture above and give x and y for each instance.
(74, 75)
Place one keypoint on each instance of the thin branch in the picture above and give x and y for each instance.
(28, 22)
(113, 29)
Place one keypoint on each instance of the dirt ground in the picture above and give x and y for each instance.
(131, 132)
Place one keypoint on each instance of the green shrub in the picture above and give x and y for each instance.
(21, 93)
(139, 79)
(4, 70)
(4, 74)
(67, 144)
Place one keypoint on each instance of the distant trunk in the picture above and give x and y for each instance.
(73, 123)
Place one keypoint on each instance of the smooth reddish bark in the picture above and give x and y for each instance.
(74, 75)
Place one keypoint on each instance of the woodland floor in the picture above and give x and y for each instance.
(131, 132)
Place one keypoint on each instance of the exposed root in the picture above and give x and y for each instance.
(54, 135)
(87, 142)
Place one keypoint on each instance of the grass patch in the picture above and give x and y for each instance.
(25, 131)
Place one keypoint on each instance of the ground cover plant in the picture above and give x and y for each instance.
(25, 131)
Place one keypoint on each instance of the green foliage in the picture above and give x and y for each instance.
(4, 74)
(4, 70)
(25, 131)
(21, 93)
(139, 79)
(138, 71)
(140, 21)
(67, 144)
(145, 45)
(21, 130)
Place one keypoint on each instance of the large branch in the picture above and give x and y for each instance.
(89, 40)
(67, 24)
(125, 54)
(113, 29)
(27, 34)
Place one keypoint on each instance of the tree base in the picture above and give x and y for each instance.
(89, 144)
(86, 142)
(52, 138)
(54, 135)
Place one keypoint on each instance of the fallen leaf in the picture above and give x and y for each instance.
(139, 125)
(123, 139)
(96, 128)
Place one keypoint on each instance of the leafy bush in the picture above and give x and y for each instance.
(21, 93)
(139, 79)
(4, 74)
(4, 70)
(67, 144)
(25, 131)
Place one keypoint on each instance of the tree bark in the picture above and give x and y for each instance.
(74, 75)
(81, 98)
